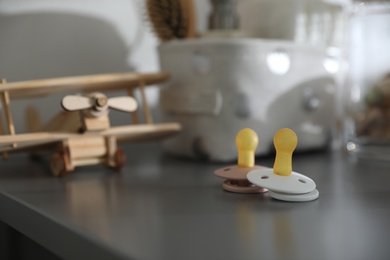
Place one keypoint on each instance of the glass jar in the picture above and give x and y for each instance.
(311, 22)
(223, 15)
(366, 99)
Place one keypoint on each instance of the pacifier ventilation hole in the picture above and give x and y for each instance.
(264, 177)
(301, 180)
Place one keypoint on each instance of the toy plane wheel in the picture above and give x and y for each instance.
(58, 164)
(120, 159)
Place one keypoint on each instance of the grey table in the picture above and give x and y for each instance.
(161, 207)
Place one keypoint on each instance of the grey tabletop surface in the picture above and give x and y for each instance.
(163, 207)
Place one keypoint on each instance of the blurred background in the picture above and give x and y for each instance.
(46, 39)
(241, 52)
(57, 38)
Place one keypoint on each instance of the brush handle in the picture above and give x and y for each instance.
(188, 6)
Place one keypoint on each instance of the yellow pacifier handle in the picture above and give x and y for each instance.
(246, 141)
(285, 141)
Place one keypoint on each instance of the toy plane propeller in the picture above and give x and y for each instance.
(81, 135)
(99, 102)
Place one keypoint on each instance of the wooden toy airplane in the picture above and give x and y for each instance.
(81, 135)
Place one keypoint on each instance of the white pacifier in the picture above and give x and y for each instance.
(281, 181)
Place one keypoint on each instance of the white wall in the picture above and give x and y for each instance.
(127, 17)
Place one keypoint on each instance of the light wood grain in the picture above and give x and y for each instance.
(111, 144)
(102, 82)
(2, 129)
(132, 133)
(33, 121)
(87, 147)
(134, 114)
(98, 144)
(189, 8)
(7, 108)
(138, 133)
(37, 147)
(35, 137)
(95, 124)
(88, 161)
(64, 122)
(147, 113)
(65, 150)
(6, 102)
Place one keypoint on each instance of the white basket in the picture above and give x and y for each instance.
(219, 86)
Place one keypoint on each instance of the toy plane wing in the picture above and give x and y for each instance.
(135, 133)
(13, 143)
(43, 140)
(102, 82)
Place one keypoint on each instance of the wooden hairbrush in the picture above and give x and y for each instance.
(172, 19)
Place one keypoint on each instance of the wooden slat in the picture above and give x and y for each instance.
(34, 137)
(2, 129)
(8, 115)
(102, 82)
(130, 133)
(148, 115)
(134, 114)
(122, 132)
(137, 133)
(36, 147)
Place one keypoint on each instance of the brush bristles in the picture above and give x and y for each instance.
(171, 19)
